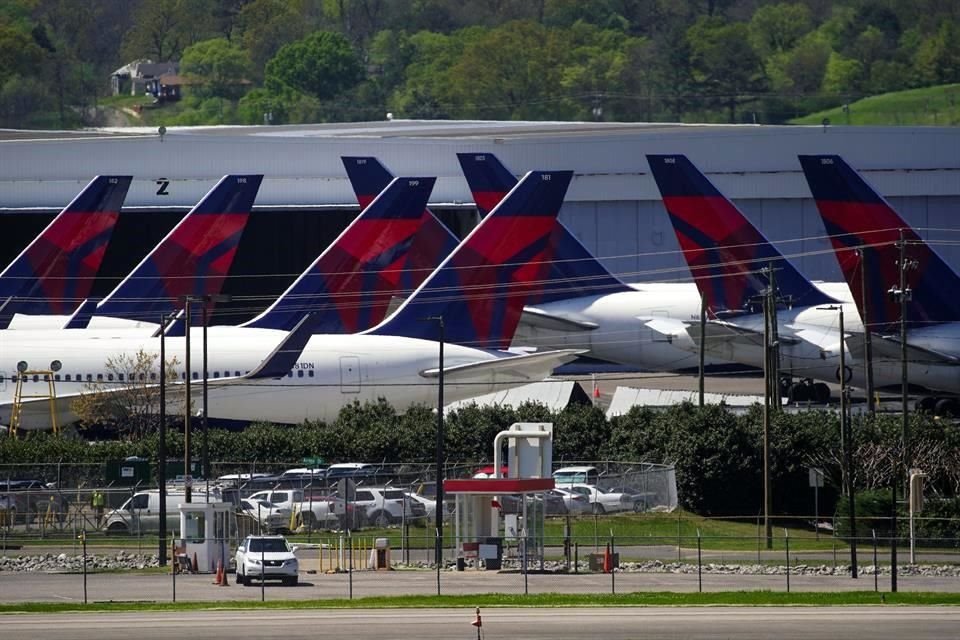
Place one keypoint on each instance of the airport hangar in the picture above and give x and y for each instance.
(613, 204)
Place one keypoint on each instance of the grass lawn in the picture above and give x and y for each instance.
(644, 599)
(928, 106)
(629, 529)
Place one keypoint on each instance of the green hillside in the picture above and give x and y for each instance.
(938, 105)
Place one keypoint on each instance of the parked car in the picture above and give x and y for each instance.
(141, 513)
(568, 476)
(575, 503)
(282, 498)
(385, 505)
(601, 500)
(319, 510)
(267, 558)
(268, 515)
(429, 505)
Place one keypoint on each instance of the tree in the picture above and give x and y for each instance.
(265, 26)
(128, 400)
(725, 66)
(511, 72)
(937, 61)
(162, 29)
(323, 65)
(777, 27)
(220, 66)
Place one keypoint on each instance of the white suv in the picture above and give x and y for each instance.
(267, 558)
(384, 505)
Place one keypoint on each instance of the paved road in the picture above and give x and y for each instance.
(517, 624)
(35, 587)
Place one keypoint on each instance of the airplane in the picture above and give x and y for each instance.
(193, 258)
(866, 233)
(585, 306)
(727, 255)
(478, 291)
(56, 272)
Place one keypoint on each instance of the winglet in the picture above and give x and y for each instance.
(58, 269)
(574, 272)
(285, 355)
(193, 259)
(481, 288)
(725, 252)
(858, 219)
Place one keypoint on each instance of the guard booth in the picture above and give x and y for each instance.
(205, 531)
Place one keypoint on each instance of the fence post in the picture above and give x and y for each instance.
(786, 543)
(613, 572)
(876, 569)
(576, 557)
(436, 545)
(350, 562)
(83, 541)
(699, 564)
(679, 557)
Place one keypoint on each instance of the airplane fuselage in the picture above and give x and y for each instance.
(332, 372)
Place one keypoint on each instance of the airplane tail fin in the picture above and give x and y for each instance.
(860, 222)
(193, 259)
(350, 285)
(56, 272)
(574, 272)
(432, 242)
(725, 252)
(81, 317)
(481, 288)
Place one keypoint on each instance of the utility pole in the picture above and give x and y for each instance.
(846, 438)
(703, 346)
(162, 444)
(767, 400)
(867, 340)
(187, 478)
(903, 294)
(774, 340)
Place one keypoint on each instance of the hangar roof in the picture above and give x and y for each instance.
(303, 169)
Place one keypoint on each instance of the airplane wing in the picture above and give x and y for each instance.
(551, 321)
(528, 367)
(888, 348)
(716, 331)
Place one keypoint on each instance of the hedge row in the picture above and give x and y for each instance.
(718, 455)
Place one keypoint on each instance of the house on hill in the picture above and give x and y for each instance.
(159, 79)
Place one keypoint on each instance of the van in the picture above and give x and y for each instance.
(567, 476)
(141, 513)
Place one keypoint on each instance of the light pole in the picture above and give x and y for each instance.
(204, 301)
(438, 552)
(846, 444)
(187, 479)
(162, 444)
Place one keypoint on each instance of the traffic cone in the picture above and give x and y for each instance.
(223, 578)
(607, 560)
(477, 623)
(596, 389)
(218, 580)
(195, 568)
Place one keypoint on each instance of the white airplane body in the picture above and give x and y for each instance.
(332, 372)
(617, 327)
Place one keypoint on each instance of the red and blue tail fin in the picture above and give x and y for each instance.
(56, 272)
(481, 288)
(193, 259)
(432, 242)
(574, 272)
(723, 249)
(350, 285)
(857, 218)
